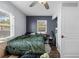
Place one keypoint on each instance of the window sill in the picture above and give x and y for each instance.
(2, 41)
(6, 39)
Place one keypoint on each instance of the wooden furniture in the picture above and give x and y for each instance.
(2, 48)
(51, 42)
(3, 45)
(54, 53)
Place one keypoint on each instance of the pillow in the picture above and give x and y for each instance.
(32, 34)
(45, 55)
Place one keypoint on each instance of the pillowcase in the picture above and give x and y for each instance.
(32, 33)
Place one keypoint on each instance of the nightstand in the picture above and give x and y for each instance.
(2, 48)
(50, 42)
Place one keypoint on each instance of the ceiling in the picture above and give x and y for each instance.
(37, 10)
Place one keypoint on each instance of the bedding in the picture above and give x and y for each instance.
(26, 43)
(31, 55)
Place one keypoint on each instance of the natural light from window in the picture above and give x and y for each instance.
(6, 25)
(42, 26)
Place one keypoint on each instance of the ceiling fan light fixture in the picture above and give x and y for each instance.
(42, 1)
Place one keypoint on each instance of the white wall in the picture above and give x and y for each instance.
(19, 17)
(57, 13)
(59, 27)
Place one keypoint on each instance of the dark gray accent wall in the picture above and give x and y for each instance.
(32, 23)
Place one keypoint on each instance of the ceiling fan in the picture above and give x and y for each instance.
(43, 2)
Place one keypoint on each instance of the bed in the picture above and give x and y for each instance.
(26, 44)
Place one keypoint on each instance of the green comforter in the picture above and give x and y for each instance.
(26, 43)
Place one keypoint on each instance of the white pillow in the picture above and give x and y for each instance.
(32, 33)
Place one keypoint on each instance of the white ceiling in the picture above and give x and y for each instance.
(37, 10)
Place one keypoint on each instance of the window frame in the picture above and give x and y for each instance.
(11, 25)
(44, 32)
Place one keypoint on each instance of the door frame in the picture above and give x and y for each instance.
(59, 28)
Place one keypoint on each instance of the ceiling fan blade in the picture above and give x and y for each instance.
(46, 5)
(33, 3)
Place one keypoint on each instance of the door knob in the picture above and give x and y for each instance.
(62, 36)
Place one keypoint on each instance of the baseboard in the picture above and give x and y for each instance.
(70, 56)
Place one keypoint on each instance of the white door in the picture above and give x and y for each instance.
(70, 32)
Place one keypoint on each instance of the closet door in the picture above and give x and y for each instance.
(70, 31)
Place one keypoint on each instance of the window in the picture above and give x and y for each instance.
(6, 25)
(42, 26)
